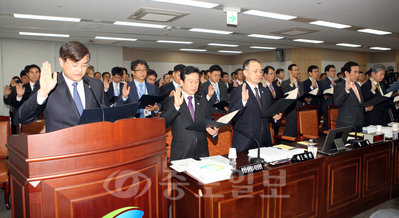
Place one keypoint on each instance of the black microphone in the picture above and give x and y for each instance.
(255, 159)
(86, 80)
(352, 126)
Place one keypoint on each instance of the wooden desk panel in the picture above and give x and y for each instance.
(395, 170)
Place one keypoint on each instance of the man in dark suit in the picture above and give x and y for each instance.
(348, 98)
(310, 84)
(225, 79)
(18, 94)
(290, 113)
(327, 83)
(214, 90)
(238, 80)
(182, 110)
(63, 98)
(340, 76)
(280, 74)
(253, 100)
(133, 91)
(175, 82)
(115, 87)
(375, 87)
(268, 82)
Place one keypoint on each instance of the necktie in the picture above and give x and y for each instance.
(296, 85)
(332, 83)
(272, 90)
(190, 107)
(141, 93)
(76, 98)
(217, 92)
(355, 90)
(116, 89)
(258, 98)
(379, 88)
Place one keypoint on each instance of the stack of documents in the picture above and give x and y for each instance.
(271, 154)
(385, 129)
(208, 171)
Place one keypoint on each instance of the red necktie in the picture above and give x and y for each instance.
(355, 90)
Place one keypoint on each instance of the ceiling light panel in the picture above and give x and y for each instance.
(187, 49)
(113, 38)
(39, 17)
(265, 36)
(269, 15)
(380, 48)
(175, 42)
(43, 34)
(224, 45)
(348, 45)
(330, 24)
(233, 52)
(210, 31)
(308, 41)
(189, 3)
(377, 32)
(139, 24)
(260, 47)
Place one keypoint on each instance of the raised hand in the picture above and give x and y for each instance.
(292, 80)
(244, 92)
(211, 90)
(106, 84)
(20, 90)
(235, 83)
(348, 85)
(278, 83)
(178, 97)
(48, 80)
(125, 91)
(373, 87)
(7, 91)
(314, 83)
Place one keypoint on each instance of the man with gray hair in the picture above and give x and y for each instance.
(371, 88)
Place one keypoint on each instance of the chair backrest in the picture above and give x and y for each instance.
(307, 121)
(5, 132)
(332, 112)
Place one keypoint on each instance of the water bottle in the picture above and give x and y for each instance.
(310, 146)
(232, 158)
(395, 132)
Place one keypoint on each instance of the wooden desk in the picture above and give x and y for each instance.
(329, 186)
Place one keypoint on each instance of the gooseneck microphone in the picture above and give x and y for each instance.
(255, 159)
(86, 80)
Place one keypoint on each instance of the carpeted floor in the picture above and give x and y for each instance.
(391, 204)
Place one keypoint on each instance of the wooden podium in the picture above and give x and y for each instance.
(90, 170)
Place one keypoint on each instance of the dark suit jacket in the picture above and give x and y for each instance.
(326, 84)
(280, 90)
(249, 118)
(290, 112)
(59, 109)
(12, 97)
(166, 87)
(203, 91)
(317, 99)
(110, 93)
(133, 96)
(339, 80)
(186, 143)
(378, 116)
(350, 112)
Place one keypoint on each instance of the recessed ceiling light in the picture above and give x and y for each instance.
(259, 47)
(176, 42)
(265, 36)
(189, 3)
(43, 34)
(210, 31)
(113, 38)
(269, 15)
(308, 41)
(234, 52)
(349, 45)
(225, 45)
(377, 32)
(187, 49)
(330, 24)
(40, 17)
(139, 24)
(380, 48)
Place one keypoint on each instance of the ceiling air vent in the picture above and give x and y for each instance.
(294, 31)
(157, 15)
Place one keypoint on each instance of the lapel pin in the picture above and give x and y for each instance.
(197, 103)
(262, 92)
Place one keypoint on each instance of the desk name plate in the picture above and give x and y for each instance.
(297, 158)
(251, 168)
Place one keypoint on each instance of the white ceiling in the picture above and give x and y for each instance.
(99, 15)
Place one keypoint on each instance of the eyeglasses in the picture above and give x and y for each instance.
(75, 66)
(141, 70)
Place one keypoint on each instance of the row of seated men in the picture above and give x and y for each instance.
(63, 97)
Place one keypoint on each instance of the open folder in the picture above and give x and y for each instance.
(310, 94)
(152, 99)
(111, 114)
(221, 105)
(377, 99)
(203, 124)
